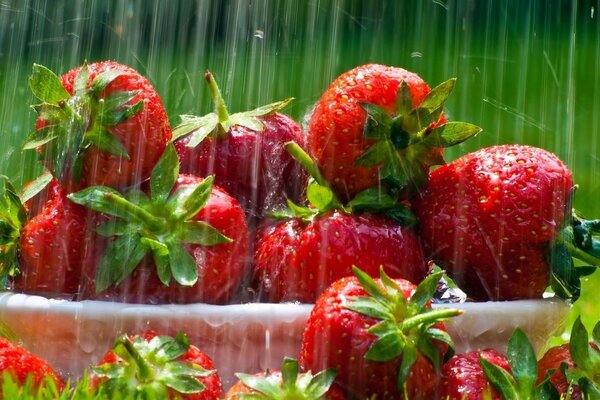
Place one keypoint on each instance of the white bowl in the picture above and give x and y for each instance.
(239, 338)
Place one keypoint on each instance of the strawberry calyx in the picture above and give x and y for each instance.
(159, 224)
(292, 385)
(577, 241)
(520, 383)
(13, 217)
(407, 327)
(586, 359)
(149, 369)
(406, 144)
(321, 197)
(218, 123)
(73, 123)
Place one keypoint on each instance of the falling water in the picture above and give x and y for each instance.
(527, 71)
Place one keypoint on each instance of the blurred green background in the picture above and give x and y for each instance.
(527, 70)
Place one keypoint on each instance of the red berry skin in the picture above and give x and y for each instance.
(221, 268)
(214, 387)
(252, 166)
(489, 217)
(335, 134)
(336, 337)
(296, 261)
(552, 360)
(463, 377)
(20, 363)
(144, 135)
(56, 245)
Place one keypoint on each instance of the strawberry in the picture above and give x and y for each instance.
(287, 383)
(463, 377)
(149, 366)
(381, 335)
(47, 244)
(245, 153)
(378, 125)
(297, 259)
(518, 381)
(22, 366)
(98, 124)
(493, 219)
(189, 230)
(574, 368)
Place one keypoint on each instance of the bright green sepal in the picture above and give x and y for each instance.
(73, 123)
(520, 384)
(406, 327)
(160, 224)
(292, 385)
(219, 122)
(586, 359)
(148, 368)
(46, 85)
(406, 144)
(13, 216)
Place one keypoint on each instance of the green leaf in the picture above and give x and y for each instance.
(197, 199)
(114, 116)
(380, 152)
(52, 114)
(164, 175)
(438, 95)
(370, 286)
(269, 108)
(579, 345)
(198, 127)
(40, 137)
(184, 384)
(320, 384)
(247, 122)
(444, 337)
(409, 356)
(322, 197)
(266, 387)
(119, 260)
(523, 361)
(36, 186)
(368, 306)
(104, 199)
(118, 99)
(47, 86)
(289, 373)
(378, 122)
(450, 134)
(387, 347)
(425, 291)
(404, 99)
(304, 213)
(502, 380)
(106, 141)
(183, 265)
(198, 232)
(103, 80)
(115, 228)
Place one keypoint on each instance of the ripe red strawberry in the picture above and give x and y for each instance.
(574, 367)
(185, 229)
(490, 217)
(157, 367)
(245, 153)
(381, 336)
(45, 244)
(379, 125)
(463, 377)
(488, 374)
(288, 382)
(23, 365)
(98, 124)
(297, 260)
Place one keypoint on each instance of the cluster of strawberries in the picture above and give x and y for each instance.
(250, 206)
(366, 339)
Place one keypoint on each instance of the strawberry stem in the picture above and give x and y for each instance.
(145, 370)
(215, 93)
(430, 316)
(135, 211)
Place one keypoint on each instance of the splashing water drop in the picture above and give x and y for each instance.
(259, 34)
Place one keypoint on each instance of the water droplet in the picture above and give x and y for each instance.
(416, 54)
(259, 34)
